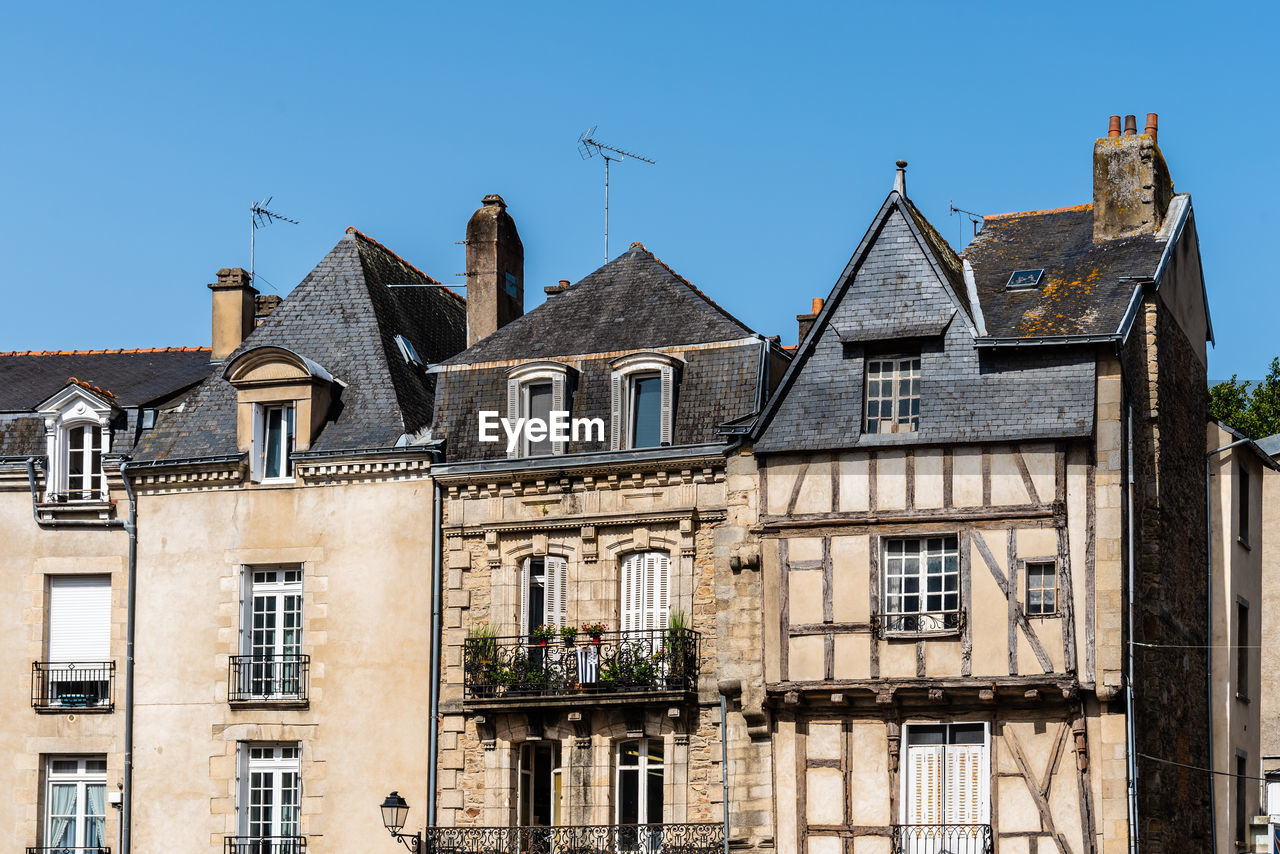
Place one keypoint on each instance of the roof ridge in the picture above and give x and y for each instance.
(691, 286)
(107, 352)
(1085, 206)
(351, 229)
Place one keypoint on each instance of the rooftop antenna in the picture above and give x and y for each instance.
(974, 218)
(260, 217)
(589, 147)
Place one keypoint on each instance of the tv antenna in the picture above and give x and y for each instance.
(260, 217)
(974, 218)
(589, 147)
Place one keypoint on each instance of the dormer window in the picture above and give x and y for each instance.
(85, 480)
(77, 434)
(643, 401)
(534, 391)
(273, 441)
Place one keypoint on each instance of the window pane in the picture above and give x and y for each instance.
(653, 811)
(629, 796)
(274, 434)
(539, 407)
(646, 414)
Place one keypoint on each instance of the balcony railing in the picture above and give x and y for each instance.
(615, 662)
(73, 686)
(919, 622)
(577, 839)
(65, 849)
(276, 678)
(942, 839)
(264, 845)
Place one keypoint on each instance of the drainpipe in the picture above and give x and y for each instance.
(1208, 656)
(61, 523)
(437, 569)
(126, 798)
(1131, 737)
(724, 765)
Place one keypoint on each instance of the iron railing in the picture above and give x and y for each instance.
(942, 839)
(614, 662)
(279, 678)
(913, 623)
(705, 838)
(65, 849)
(264, 845)
(79, 496)
(73, 686)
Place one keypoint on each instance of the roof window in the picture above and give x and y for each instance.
(1022, 280)
(408, 352)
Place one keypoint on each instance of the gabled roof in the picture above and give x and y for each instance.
(132, 377)
(344, 315)
(635, 302)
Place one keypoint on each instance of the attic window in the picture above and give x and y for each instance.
(1024, 280)
(408, 352)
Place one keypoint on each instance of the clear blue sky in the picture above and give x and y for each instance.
(137, 135)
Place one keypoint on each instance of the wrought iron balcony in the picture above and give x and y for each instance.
(577, 839)
(918, 623)
(265, 845)
(656, 660)
(58, 686)
(268, 679)
(65, 849)
(942, 839)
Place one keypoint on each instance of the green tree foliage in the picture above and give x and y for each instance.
(1254, 412)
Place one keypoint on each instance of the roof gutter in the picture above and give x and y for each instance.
(560, 462)
(993, 343)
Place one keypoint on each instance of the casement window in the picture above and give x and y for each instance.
(1242, 520)
(271, 664)
(544, 584)
(638, 790)
(642, 401)
(273, 441)
(75, 803)
(947, 780)
(77, 424)
(1042, 589)
(268, 806)
(85, 479)
(645, 586)
(535, 390)
(540, 784)
(921, 584)
(893, 394)
(77, 672)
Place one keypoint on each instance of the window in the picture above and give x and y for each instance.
(85, 478)
(1042, 589)
(408, 352)
(269, 799)
(77, 434)
(273, 436)
(540, 784)
(1242, 649)
(544, 583)
(77, 673)
(893, 394)
(75, 803)
(642, 396)
(271, 664)
(921, 585)
(535, 390)
(639, 787)
(947, 775)
(1243, 498)
(645, 587)
(537, 404)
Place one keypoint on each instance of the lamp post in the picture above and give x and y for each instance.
(394, 811)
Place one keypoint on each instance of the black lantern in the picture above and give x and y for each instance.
(394, 812)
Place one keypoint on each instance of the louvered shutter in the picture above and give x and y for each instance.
(258, 454)
(513, 413)
(616, 413)
(966, 784)
(667, 415)
(524, 597)
(645, 591)
(557, 569)
(924, 783)
(632, 570)
(80, 619)
(558, 397)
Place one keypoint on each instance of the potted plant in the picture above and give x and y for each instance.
(568, 634)
(677, 647)
(594, 631)
(543, 634)
(482, 659)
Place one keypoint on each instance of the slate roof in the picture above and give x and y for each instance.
(634, 302)
(1270, 444)
(132, 377)
(1082, 291)
(344, 315)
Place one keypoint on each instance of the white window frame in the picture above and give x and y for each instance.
(276, 677)
(275, 760)
(525, 782)
(926, 620)
(520, 379)
(642, 769)
(288, 441)
(902, 366)
(1056, 610)
(948, 816)
(622, 393)
(82, 778)
(554, 581)
(72, 407)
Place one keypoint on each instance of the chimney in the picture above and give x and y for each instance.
(1131, 184)
(900, 179)
(495, 270)
(552, 290)
(806, 320)
(234, 307)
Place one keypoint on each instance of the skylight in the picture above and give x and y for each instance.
(1023, 279)
(406, 350)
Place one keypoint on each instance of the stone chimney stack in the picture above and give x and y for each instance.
(234, 306)
(806, 320)
(495, 270)
(1131, 184)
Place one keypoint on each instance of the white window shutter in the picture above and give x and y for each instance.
(259, 452)
(557, 569)
(662, 571)
(924, 784)
(558, 397)
(616, 411)
(524, 597)
(80, 619)
(632, 569)
(513, 412)
(966, 784)
(667, 414)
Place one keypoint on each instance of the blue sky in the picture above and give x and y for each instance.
(138, 134)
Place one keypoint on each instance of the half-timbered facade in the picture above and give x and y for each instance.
(973, 495)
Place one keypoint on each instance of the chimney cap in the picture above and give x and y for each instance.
(900, 179)
(493, 199)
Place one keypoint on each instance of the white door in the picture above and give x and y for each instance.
(75, 810)
(946, 801)
(270, 799)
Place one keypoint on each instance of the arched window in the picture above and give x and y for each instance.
(642, 400)
(77, 424)
(645, 591)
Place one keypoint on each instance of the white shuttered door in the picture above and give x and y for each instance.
(966, 780)
(80, 619)
(645, 585)
(557, 569)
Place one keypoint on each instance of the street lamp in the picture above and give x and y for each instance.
(394, 812)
